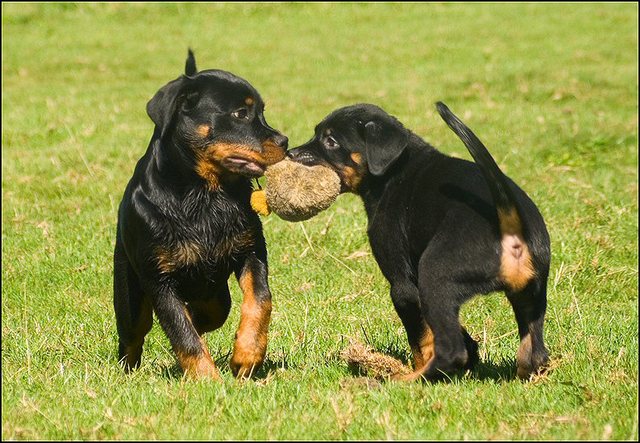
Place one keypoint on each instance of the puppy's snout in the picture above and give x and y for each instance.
(300, 155)
(281, 141)
(292, 154)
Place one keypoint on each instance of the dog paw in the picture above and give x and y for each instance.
(245, 362)
(199, 367)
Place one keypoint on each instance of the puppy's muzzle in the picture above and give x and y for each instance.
(280, 141)
(301, 156)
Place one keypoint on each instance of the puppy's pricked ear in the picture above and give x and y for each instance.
(385, 141)
(163, 104)
(190, 65)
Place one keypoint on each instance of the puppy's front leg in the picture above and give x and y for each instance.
(251, 338)
(190, 348)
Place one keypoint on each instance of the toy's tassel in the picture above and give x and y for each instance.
(259, 202)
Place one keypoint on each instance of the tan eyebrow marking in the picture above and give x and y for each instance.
(203, 130)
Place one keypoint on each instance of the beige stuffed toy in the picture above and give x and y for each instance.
(296, 192)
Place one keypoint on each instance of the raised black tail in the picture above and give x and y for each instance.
(516, 268)
(502, 195)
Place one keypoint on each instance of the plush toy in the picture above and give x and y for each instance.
(296, 192)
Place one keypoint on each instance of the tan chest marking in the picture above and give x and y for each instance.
(182, 255)
(189, 253)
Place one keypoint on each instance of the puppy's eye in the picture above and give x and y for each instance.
(331, 143)
(241, 113)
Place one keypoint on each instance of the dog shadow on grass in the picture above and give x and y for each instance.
(485, 370)
(504, 370)
(174, 371)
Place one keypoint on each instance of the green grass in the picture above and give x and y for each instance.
(552, 89)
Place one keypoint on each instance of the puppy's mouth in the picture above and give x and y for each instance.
(244, 166)
(308, 160)
(220, 160)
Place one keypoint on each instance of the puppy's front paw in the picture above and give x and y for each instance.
(199, 366)
(246, 360)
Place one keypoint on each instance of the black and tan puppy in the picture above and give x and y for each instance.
(185, 223)
(442, 230)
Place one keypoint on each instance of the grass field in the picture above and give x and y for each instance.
(552, 90)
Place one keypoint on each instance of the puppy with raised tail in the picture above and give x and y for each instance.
(442, 230)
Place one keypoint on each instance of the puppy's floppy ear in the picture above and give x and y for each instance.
(385, 140)
(190, 65)
(163, 104)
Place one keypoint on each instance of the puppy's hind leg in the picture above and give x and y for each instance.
(440, 307)
(413, 309)
(441, 295)
(452, 348)
(529, 306)
(133, 311)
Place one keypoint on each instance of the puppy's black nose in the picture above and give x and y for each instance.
(281, 141)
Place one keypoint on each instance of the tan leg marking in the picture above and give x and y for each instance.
(200, 365)
(251, 338)
(424, 351)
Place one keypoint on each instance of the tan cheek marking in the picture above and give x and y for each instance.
(516, 268)
(209, 172)
(356, 157)
(209, 161)
(351, 177)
